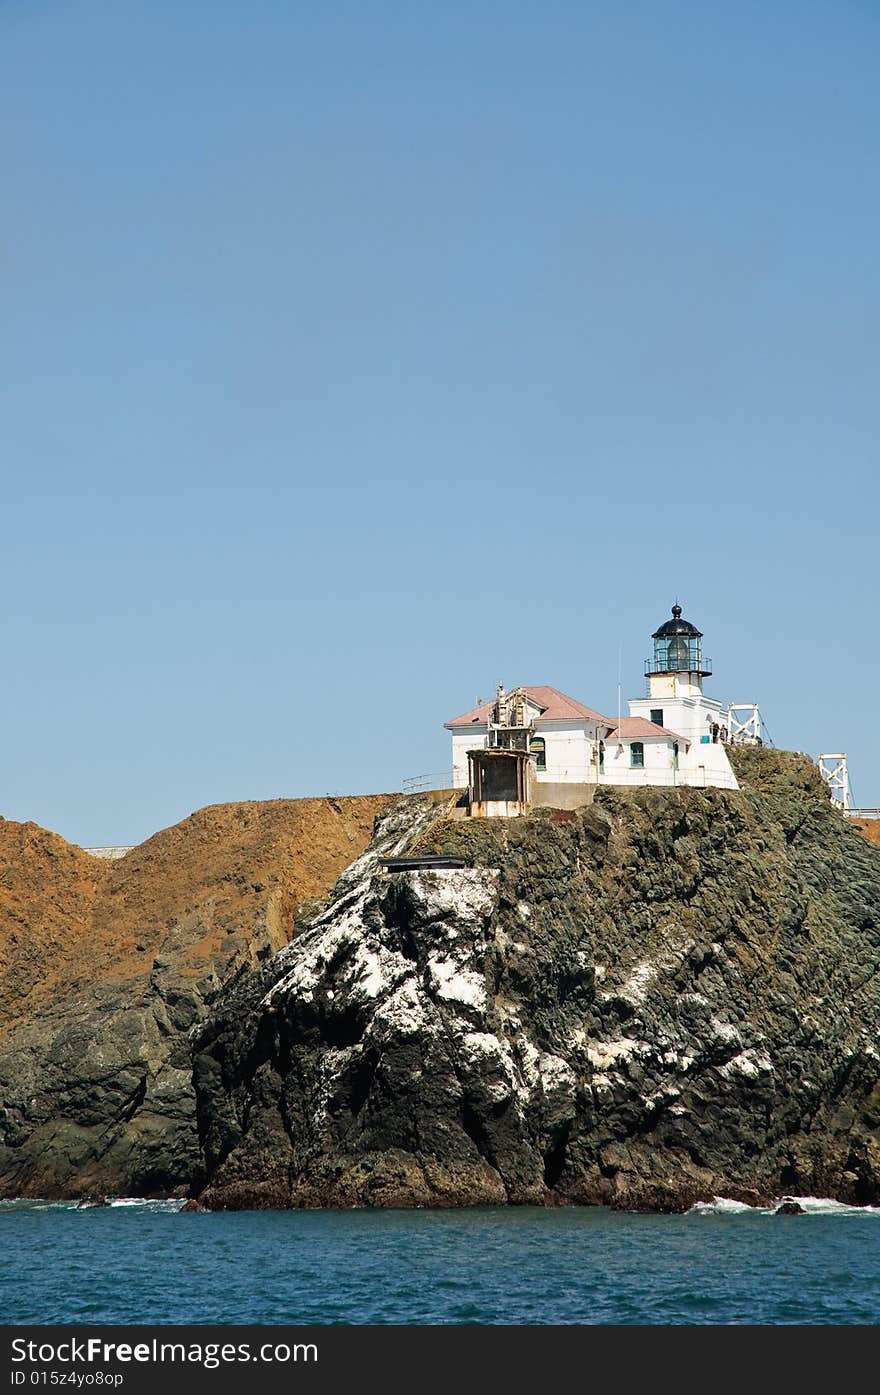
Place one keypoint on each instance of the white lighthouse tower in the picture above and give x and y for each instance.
(676, 699)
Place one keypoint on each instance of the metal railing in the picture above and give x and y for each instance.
(862, 813)
(701, 665)
(438, 781)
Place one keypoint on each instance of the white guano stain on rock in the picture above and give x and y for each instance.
(373, 974)
(724, 1031)
(602, 1054)
(488, 1054)
(404, 1013)
(635, 989)
(555, 1074)
(454, 984)
(747, 1063)
(333, 1061)
(340, 928)
(482, 1045)
(465, 894)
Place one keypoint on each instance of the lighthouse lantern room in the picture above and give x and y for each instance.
(678, 666)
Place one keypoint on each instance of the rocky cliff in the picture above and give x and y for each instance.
(106, 966)
(666, 996)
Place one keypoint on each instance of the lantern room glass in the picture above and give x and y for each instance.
(678, 654)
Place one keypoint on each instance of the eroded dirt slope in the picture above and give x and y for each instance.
(870, 828)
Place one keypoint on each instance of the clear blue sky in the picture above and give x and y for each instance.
(356, 356)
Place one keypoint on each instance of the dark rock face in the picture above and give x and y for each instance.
(667, 996)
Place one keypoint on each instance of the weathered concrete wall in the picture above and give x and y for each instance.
(470, 739)
(546, 795)
(688, 715)
(657, 756)
(568, 750)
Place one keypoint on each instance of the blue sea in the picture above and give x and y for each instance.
(145, 1262)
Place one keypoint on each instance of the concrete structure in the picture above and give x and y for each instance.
(535, 745)
(500, 782)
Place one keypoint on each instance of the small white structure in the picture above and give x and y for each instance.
(745, 724)
(835, 771)
(674, 736)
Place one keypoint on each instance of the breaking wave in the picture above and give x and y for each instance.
(26, 1203)
(810, 1205)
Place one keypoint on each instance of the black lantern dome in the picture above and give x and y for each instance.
(678, 648)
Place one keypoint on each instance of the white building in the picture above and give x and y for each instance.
(563, 734)
(674, 736)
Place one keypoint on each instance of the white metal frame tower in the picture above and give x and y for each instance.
(744, 724)
(833, 769)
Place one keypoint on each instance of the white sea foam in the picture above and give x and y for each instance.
(145, 1203)
(824, 1206)
(811, 1205)
(41, 1203)
(719, 1206)
(35, 1203)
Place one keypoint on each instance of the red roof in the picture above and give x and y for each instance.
(632, 728)
(555, 707)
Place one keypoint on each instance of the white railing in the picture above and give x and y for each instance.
(438, 781)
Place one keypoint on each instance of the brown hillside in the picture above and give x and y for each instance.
(68, 919)
(230, 869)
(48, 893)
(870, 828)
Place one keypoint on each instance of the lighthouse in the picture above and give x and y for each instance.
(675, 673)
(537, 746)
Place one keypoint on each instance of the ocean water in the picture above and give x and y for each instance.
(144, 1262)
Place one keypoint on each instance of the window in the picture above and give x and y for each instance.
(657, 716)
(601, 757)
(675, 755)
(637, 755)
(538, 751)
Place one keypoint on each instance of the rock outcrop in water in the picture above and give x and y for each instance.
(666, 996)
(106, 966)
